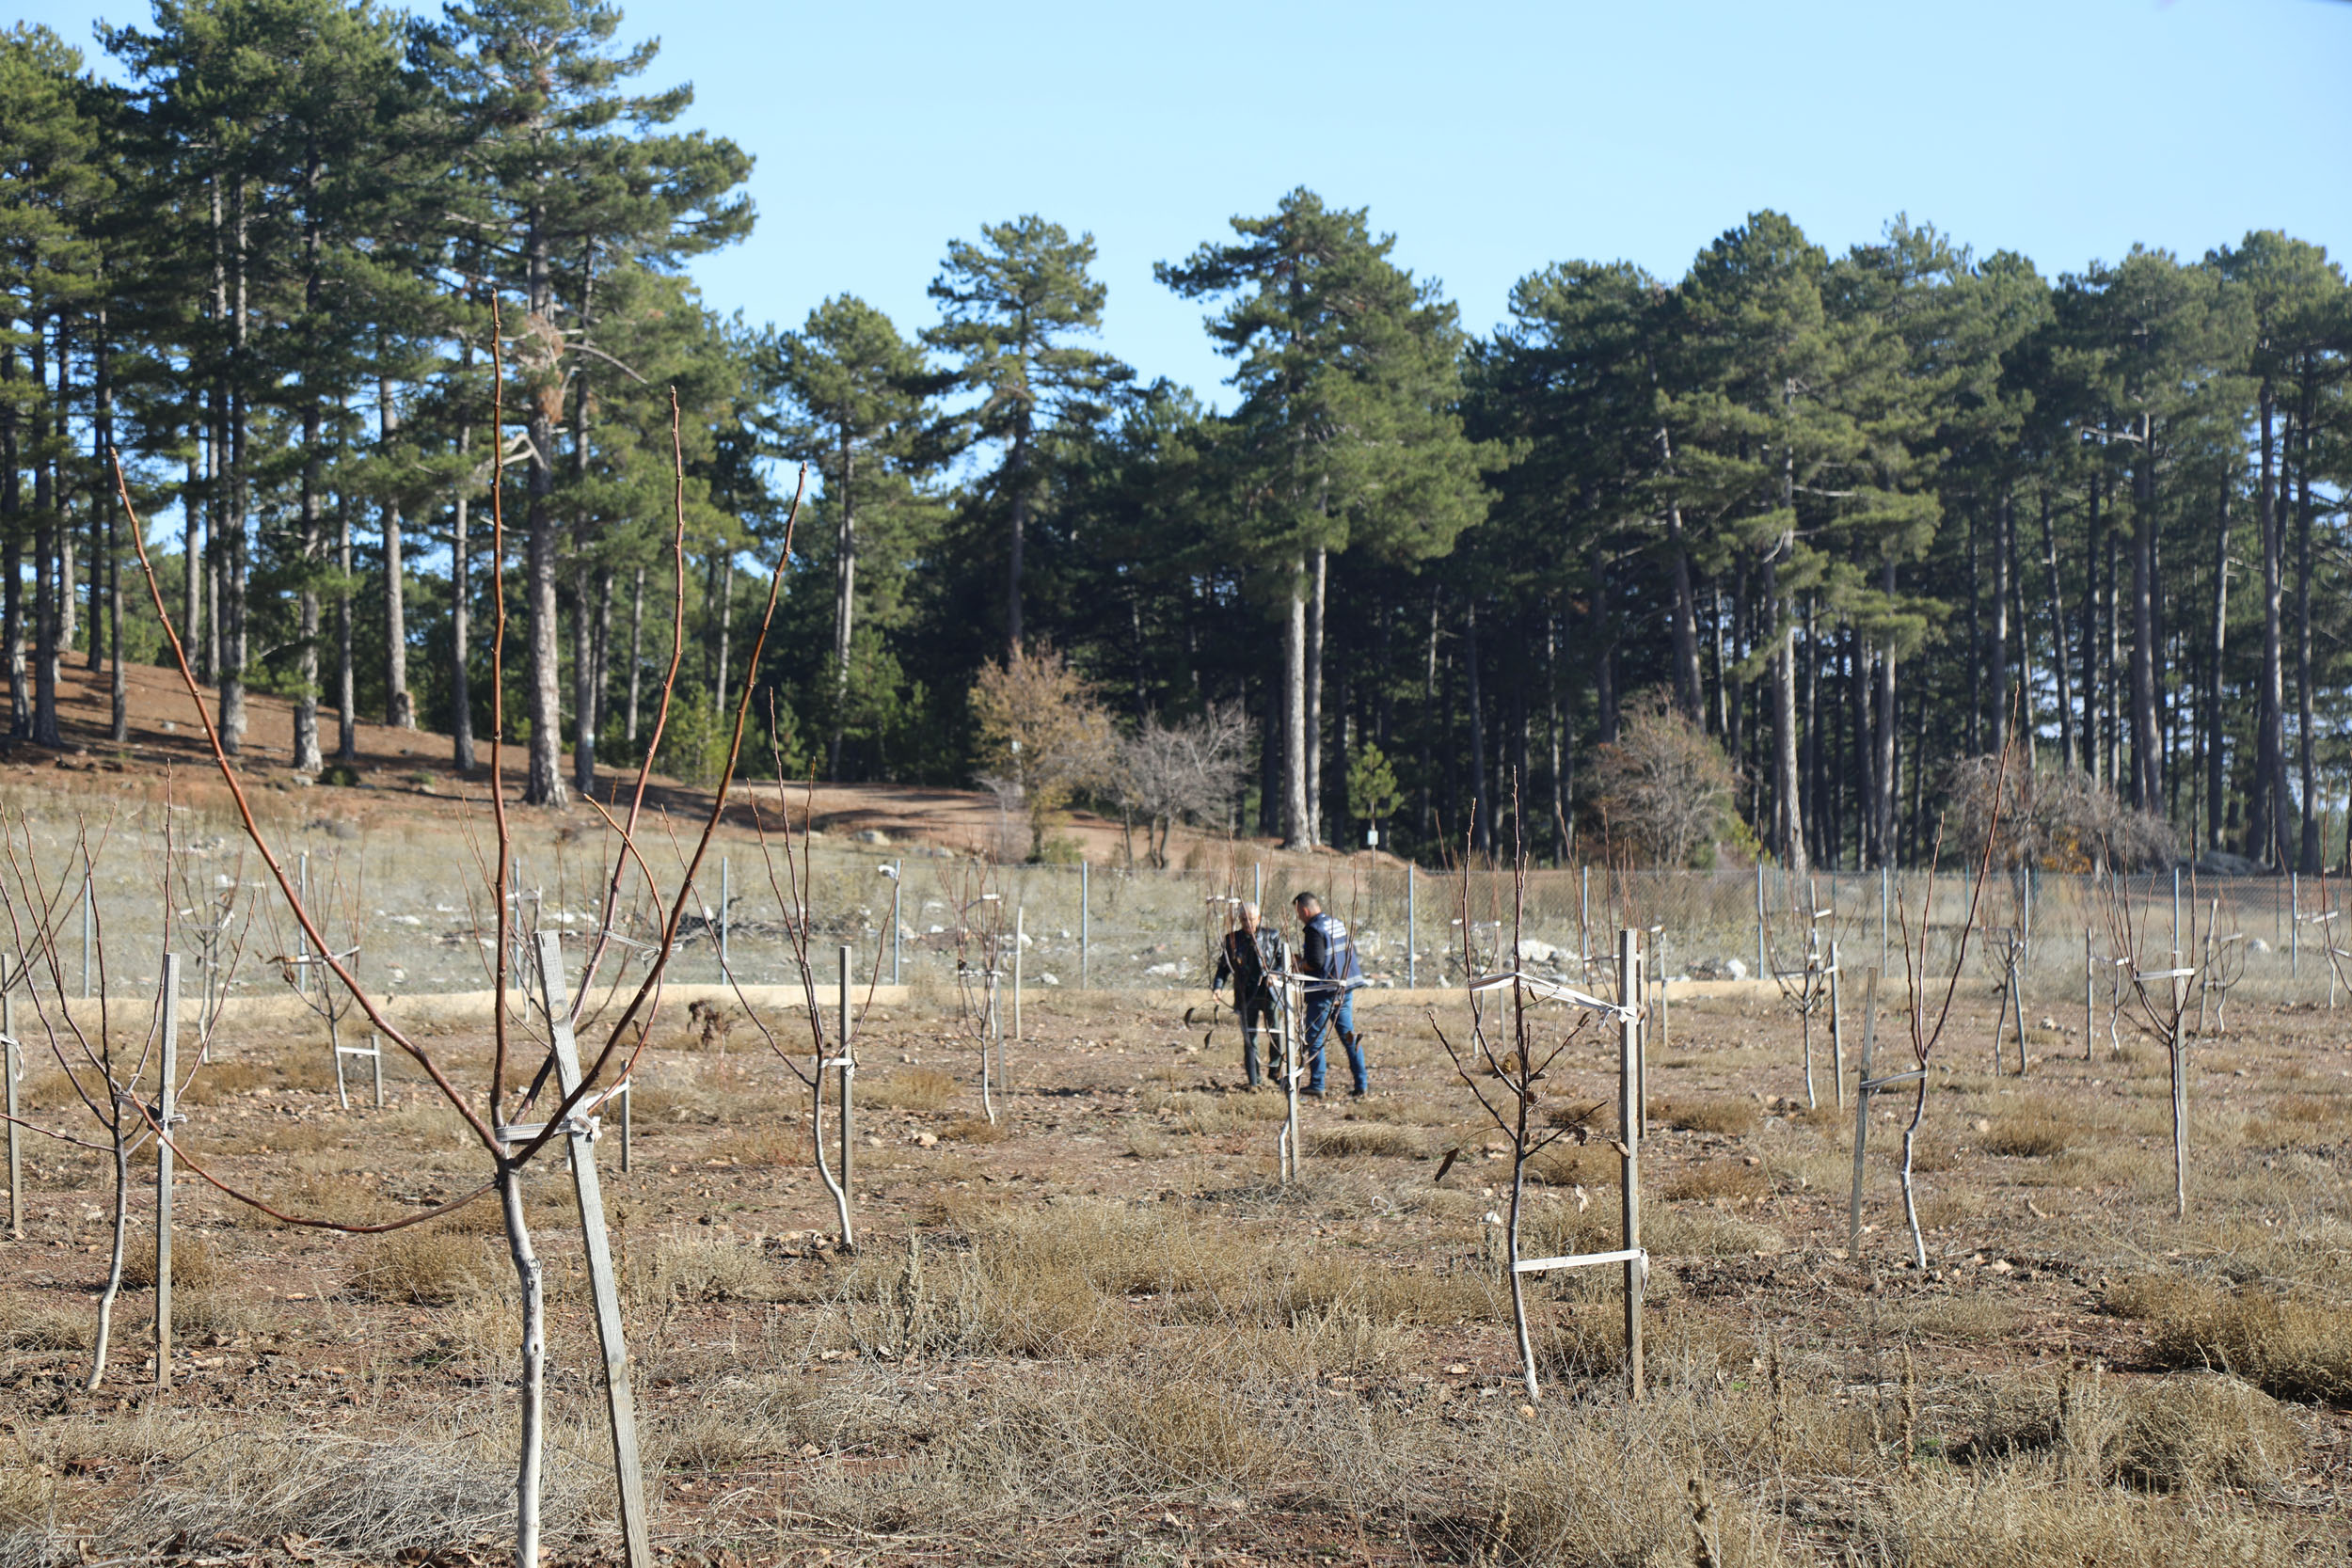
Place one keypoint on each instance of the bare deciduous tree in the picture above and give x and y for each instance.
(1182, 770)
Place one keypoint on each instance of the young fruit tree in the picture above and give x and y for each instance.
(520, 1069)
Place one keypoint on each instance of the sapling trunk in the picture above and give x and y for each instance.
(2180, 1118)
(1511, 1249)
(113, 1267)
(1911, 1202)
(824, 1168)
(533, 1389)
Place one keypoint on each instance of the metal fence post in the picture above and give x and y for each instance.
(726, 896)
(12, 1067)
(1085, 916)
(166, 1107)
(1759, 920)
(1257, 884)
(1629, 1113)
(897, 890)
(1412, 956)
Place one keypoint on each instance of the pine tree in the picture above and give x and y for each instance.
(1348, 432)
(1011, 306)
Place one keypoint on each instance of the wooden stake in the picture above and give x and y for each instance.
(1836, 1028)
(620, 1404)
(13, 1070)
(167, 1106)
(1862, 1108)
(849, 1072)
(1629, 1110)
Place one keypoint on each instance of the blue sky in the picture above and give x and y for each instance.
(1490, 139)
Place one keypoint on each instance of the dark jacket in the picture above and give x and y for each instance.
(1247, 962)
(1328, 959)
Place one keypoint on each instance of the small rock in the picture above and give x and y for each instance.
(2258, 945)
(1736, 969)
(1163, 970)
(927, 1140)
(873, 836)
(1979, 1125)
(1457, 1370)
(1049, 978)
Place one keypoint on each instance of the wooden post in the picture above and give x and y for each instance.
(166, 1107)
(13, 1069)
(2087, 988)
(620, 1403)
(1019, 919)
(1629, 1113)
(1836, 1028)
(848, 1070)
(1862, 1108)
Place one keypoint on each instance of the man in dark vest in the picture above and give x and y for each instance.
(1248, 958)
(1328, 958)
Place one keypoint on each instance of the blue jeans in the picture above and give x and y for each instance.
(1324, 1009)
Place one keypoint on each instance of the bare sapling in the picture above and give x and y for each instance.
(490, 1111)
(123, 1090)
(1503, 1062)
(981, 942)
(2326, 921)
(2220, 964)
(1925, 1037)
(831, 1051)
(1808, 988)
(334, 905)
(2156, 1002)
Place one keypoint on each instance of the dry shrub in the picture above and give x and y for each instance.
(1572, 1165)
(976, 1130)
(28, 1324)
(275, 1136)
(1595, 1489)
(769, 1418)
(1662, 790)
(919, 1088)
(1930, 1152)
(425, 1266)
(2200, 1431)
(2031, 1134)
(1718, 1182)
(1185, 1433)
(1728, 1116)
(1380, 1139)
(1415, 1113)
(2285, 1345)
(1705, 1233)
(694, 1268)
(196, 1264)
(1969, 1318)
(1196, 1112)
(1935, 1518)
(28, 1492)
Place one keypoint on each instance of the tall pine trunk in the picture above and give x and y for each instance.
(2058, 636)
(2147, 736)
(2217, 768)
(2308, 858)
(543, 697)
(843, 599)
(1297, 820)
(346, 685)
(400, 708)
(2266, 821)
(1320, 598)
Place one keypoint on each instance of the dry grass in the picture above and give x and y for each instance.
(1727, 1116)
(1727, 1181)
(1380, 1139)
(2031, 1134)
(196, 1263)
(425, 1266)
(976, 1130)
(917, 1088)
(697, 1269)
(2283, 1344)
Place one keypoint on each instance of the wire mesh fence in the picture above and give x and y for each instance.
(411, 904)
